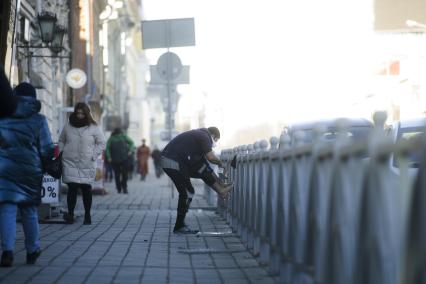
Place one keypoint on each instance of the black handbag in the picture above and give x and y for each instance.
(53, 166)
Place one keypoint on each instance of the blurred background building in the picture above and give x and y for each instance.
(103, 38)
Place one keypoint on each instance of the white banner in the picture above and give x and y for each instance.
(49, 190)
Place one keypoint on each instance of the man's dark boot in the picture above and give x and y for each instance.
(180, 226)
(7, 258)
(185, 230)
(32, 257)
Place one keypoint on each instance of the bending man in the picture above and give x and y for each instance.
(186, 157)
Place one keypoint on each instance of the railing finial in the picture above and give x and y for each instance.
(274, 143)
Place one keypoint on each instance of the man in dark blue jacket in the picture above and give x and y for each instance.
(186, 157)
(24, 141)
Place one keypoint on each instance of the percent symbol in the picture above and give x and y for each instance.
(51, 191)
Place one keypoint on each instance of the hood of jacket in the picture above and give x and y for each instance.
(118, 137)
(26, 107)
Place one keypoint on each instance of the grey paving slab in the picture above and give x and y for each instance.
(131, 241)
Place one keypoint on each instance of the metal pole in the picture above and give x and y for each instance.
(169, 97)
(169, 69)
(29, 64)
(88, 52)
(39, 6)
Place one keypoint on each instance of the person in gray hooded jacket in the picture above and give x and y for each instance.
(24, 142)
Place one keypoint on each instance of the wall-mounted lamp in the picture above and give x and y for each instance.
(47, 22)
(52, 35)
(58, 38)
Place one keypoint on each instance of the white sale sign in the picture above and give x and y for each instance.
(49, 190)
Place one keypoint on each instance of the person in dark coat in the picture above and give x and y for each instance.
(24, 141)
(142, 153)
(189, 155)
(118, 149)
(7, 100)
(156, 157)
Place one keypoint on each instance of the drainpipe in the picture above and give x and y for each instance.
(88, 53)
(39, 6)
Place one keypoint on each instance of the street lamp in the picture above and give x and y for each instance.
(52, 35)
(47, 21)
(58, 37)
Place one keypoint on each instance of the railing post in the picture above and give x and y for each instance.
(318, 206)
(241, 178)
(262, 191)
(282, 234)
(415, 243)
(301, 170)
(245, 209)
(272, 207)
(252, 209)
(382, 214)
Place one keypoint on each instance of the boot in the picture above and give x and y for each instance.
(87, 219)
(69, 218)
(179, 222)
(7, 258)
(185, 230)
(181, 228)
(222, 190)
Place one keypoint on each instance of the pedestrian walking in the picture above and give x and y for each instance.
(119, 148)
(143, 154)
(108, 176)
(156, 157)
(81, 142)
(131, 166)
(24, 142)
(187, 156)
(8, 102)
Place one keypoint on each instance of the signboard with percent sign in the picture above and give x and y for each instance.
(49, 190)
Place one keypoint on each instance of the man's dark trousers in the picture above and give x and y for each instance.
(120, 175)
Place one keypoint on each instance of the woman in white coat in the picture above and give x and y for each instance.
(81, 142)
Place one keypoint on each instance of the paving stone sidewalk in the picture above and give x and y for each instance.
(131, 241)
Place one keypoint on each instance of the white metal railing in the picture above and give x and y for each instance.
(328, 212)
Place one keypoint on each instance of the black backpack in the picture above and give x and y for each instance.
(119, 150)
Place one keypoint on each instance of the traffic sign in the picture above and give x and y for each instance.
(169, 66)
(156, 79)
(168, 33)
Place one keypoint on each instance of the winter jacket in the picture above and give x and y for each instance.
(24, 140)
(119, 147)
(80, 148)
